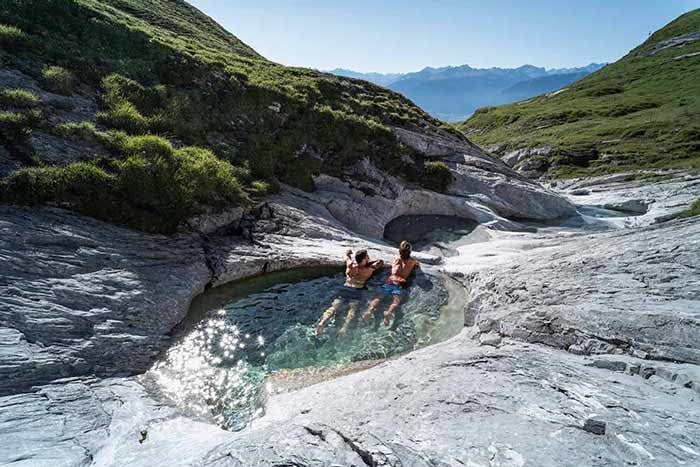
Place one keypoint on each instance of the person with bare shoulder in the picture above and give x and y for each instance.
(358, 270)
(395, 286)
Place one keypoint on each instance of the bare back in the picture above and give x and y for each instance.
(401, 269)
(356, 275)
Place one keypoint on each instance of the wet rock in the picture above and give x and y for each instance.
(595, 426)
(611, 365)
(639, 206)
(79, 297)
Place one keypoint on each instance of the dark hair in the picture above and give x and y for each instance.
(360, 255)
(405, 250)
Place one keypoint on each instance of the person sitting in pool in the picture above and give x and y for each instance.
(358, 270)
(395, 285)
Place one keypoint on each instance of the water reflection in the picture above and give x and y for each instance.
(218, 367)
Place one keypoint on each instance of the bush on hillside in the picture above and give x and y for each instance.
(126, 117)
(154, 188)
(44, 184)
(12, 36)
(16, 126)
(437, 176)
(692, 211)
(79, 131)
(18, 98)
(58, 80)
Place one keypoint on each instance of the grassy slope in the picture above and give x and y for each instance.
(641, 111)
(162, 68)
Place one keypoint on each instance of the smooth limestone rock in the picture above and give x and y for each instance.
(455, 404)
(80, 298)
(632, 291)
(644, 202)
(368, 199)
(450, 404)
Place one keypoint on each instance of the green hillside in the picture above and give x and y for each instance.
(642, 111)
(186, 115)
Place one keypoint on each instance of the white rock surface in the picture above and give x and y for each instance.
(95, 302)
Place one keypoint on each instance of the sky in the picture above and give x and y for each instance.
(402, 36)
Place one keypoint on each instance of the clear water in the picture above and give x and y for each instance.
(238, 334)
(603, 213)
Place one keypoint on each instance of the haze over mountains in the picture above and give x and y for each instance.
(453, 93)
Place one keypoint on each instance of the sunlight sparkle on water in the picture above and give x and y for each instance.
(205, 374)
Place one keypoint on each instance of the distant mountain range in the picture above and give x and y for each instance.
(640, 112)
(454, 93)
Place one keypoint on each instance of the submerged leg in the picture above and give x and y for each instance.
(395, 301)
(328, 314)
(370, 309)
(348, 319)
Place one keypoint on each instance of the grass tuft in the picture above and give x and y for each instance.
(437, 176)
(18, 98)
(12, 36)
(58, 80)
(692, 211)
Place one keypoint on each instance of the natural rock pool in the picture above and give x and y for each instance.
(239, 338)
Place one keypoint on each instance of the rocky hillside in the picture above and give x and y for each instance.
(146, 112)
(639, 112)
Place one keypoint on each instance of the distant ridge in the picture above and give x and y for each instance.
(453, 93)
(642, 111)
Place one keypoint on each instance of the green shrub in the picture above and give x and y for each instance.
(17, 98)
(118, 89)
(205, 179)
(11, 118)
(261, 188)
(176, 184)
(58, 80)
(153, 189)
(437, 176)
(15, 126)
(42, 184)
(124, 116)
(147, 145)
(81, 131)
(692, 211)
(12, 36)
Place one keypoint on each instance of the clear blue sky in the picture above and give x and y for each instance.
(400, 36)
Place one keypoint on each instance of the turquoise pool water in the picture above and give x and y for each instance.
(238, 334)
